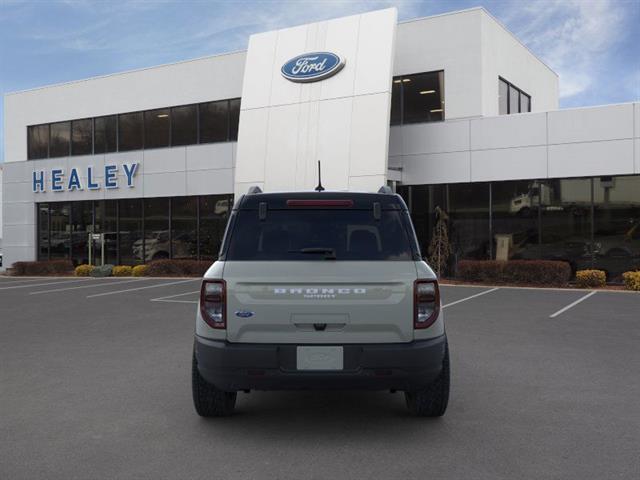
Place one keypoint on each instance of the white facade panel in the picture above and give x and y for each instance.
(636, 119)
(612, 122)
(508, 131)
(614, 157)
(376, 48)
(203, 182)
(441, 138)
(369, 135)
(451, 167)
(171, 184)
(252, 143)
(18, 236)
(210, 156)
(19, 213)
(304, 123)
(636, 150)
(332, 147)
(509, 164)
(164, 160)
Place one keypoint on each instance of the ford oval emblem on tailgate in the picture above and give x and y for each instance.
(244, 313)
(311, 67)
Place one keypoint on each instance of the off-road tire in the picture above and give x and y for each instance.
(207, 399)
(432, 401)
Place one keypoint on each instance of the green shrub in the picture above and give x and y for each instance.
(102, 271)
(178, 268)
(46, 267)
(140, 270)
(84, 270)
(631, 280)
(122, 271)
(531, 272)
(591, 278)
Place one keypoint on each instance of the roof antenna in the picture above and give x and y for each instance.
(319, 188)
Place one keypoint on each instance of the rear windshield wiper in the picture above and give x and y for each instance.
(330, 253)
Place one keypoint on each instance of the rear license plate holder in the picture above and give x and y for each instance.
(320, 358)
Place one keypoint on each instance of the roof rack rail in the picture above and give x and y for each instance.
(385, 190)
(254, 189)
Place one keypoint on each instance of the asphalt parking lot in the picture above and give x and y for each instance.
(95, 383)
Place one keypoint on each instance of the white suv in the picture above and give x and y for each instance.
(320, 290)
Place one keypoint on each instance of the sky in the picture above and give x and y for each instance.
(593, 45)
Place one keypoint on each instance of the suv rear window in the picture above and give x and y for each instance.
(313, 234)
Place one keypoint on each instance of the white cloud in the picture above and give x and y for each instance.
(573, 36)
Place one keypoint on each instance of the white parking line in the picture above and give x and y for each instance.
(166, 299)
(143, 288)
(109, 283)
(43, 284)
(472, 296)
(571, 305)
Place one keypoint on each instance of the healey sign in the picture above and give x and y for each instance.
(57, 181)
(312, 67)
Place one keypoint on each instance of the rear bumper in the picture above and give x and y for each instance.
(395, 366)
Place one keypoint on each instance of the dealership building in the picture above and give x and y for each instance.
(451, 111)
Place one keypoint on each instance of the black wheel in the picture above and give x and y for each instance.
(432, 401)
(207, 399)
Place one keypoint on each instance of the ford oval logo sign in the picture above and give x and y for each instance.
(311, 67)
(244, 313)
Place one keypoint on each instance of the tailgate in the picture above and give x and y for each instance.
(312, 302)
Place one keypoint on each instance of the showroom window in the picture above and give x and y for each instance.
(105, 134)
(159, 128)
(135, 230)
(184, 125)
(214, 121)
(38, 141)
(130, 131)
(586, 222)
(511, 99)
(59, 139)
(418, 98)
(82, 137)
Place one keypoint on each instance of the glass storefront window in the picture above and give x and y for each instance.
(184, 125)
(469, 220)
(156, 128)
(565, 228)
(38, 141)
(503, 97)
(418, 98)
(43, 231)
(131, 240)
(214, 211)
(616, 229)
(184, 227)
(514, 211)
(82, 137)
(59, 139)
(214, 121)
(105, 134)
(234, 118)
(81, 227)
(60, 236)
(130, 131)
(157, 243)
(106, 222)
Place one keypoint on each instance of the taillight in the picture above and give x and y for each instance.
(426, 303)
(212, 303)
